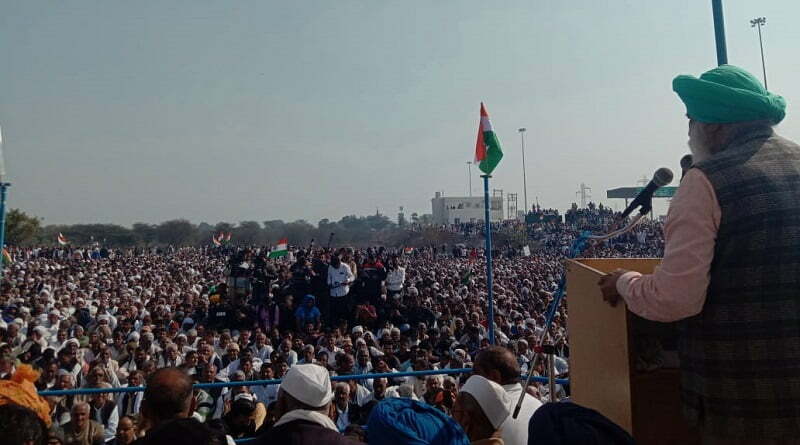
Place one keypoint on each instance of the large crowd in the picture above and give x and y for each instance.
(93, 317)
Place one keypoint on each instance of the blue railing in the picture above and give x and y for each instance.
(337, 378)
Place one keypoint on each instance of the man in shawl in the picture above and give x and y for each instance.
(481, 408)
(303, 410)
(731, 267)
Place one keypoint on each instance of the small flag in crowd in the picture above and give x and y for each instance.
(466, 276)
(487, 150)
(228, 236)
(215, 241)
(7, 257)
(408, 250)
(62, 240)
(281, 249)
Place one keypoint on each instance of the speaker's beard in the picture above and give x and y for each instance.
(700, 152)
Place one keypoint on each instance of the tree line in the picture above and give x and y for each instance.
(26, 230)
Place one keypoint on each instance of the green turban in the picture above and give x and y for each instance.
(728, 94)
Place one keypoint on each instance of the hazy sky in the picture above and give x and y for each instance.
(131, 111)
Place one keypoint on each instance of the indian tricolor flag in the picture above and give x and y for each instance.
(487, 150)
(7, 257)
(62, 240)
(280, 250)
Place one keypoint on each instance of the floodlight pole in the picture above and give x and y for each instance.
(3, 189)
(524, 179)
(469, 176)
(759, 22)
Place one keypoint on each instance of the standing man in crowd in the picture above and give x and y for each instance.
(731, 267)
(339, 279)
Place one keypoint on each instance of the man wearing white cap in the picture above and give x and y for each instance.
(481, 408)
(303, 410)
(499, 365)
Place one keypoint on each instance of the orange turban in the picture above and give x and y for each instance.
(21, 391)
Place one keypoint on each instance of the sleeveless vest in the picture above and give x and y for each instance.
(740, 357)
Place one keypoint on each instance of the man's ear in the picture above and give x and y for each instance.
(145, 410)
(712, 129)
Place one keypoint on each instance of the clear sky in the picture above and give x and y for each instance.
(125, 111)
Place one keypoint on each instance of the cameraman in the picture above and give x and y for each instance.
(301, 275)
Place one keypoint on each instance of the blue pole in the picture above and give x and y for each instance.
(3, 188)
(488, 225)
(719, 32)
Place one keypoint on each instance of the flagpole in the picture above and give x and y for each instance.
(488, 256)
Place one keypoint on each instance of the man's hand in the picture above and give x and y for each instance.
(608, 286)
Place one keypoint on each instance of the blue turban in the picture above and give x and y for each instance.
(400, 421)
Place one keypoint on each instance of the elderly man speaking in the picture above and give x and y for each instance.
(731, 267)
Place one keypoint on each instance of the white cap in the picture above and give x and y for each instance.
(244, 396)
(309, 384)
(358, 329)
(492, 398)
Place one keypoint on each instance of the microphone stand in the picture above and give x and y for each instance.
(538, 348)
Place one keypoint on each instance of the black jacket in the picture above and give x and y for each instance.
(354, 414)
(301, 432)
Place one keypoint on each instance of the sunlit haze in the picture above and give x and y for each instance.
(254, 110)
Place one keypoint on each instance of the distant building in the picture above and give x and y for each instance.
(464, 209)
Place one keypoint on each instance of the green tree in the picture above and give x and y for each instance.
(107, 234)
(248, 232)
(176, 232)
(299, 233)
(21, 229)
(144, 233)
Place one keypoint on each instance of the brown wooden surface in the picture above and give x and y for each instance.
(598, 346)
(601, 376)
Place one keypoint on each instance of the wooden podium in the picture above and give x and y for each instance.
(603, 343)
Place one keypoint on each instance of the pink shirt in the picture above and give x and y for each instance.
(677, 288)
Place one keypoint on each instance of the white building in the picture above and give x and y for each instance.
(464, 209)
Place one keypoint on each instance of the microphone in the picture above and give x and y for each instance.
(686, 164)
(661, 177)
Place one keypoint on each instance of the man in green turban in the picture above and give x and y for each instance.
(731, 266)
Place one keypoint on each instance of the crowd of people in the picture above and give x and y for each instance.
(109, 318)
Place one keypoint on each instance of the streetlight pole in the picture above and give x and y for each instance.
(3, 188)
(759, 22)
(469, 176)
(524, 179)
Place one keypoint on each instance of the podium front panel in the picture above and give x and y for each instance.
(603, 342)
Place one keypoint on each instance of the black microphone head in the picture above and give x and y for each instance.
(662, 177)
(686, 162)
